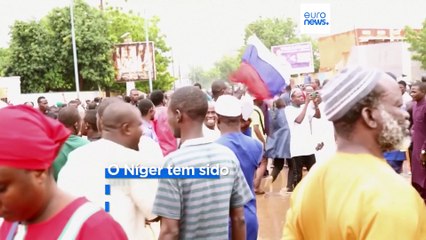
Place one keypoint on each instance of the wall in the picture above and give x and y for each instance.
(54, 97)
(390, 57)
(334, 50)
(10, 87)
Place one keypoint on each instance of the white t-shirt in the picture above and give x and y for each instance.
(147, 144)
(301, 139)
(406, 99)
(131, 201)
(212, 135)
(323, 131)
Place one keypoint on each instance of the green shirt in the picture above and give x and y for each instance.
(72, 143)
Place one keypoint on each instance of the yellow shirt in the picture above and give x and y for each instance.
(355, 196)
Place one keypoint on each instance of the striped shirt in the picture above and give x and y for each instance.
(202, 205)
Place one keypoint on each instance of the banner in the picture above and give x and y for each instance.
(132, 61)
(299, 55)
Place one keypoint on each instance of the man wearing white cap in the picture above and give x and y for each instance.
(356, 194)
(248, 151)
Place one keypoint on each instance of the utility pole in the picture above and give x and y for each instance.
(148, 50)
(74, 51)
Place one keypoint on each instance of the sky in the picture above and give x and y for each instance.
(200, 32)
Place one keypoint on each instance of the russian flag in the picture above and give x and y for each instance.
(264, 74)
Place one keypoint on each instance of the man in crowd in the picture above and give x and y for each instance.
(134, 97)
(418, 162)
(147, 109)
(278, 142)
(131, 200)
(219, 88)
(396, 157)
(90, 129)
(209, 127)
(199, 208)
(406, 98)
(356, 194)
(32, 206)
(302, 146)
(165, 136)
(149, 139)
(201, 88)
(70, 118)
(259, 132)
(43, 105)
(248, 151)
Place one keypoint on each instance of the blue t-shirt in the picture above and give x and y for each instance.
(247, 132)
(394, 156)
(249, 152)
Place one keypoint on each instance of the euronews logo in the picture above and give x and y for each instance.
(315, 19)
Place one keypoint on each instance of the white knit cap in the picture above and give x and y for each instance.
(346, 89)
(228, 106)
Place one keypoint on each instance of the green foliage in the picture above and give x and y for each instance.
(32, 58)
(220, 71)
(4, 60)
(94, 48)
(205, 78)
(226, 66)
(417, 40)
(273, 31)
(41, 52)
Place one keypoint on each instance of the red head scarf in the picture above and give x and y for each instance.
(28, 139)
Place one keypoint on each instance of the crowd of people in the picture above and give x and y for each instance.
(347, 138)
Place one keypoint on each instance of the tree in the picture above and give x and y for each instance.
(41, 52)
(31, 58)
(273, 31)
(220, 71)
(121, 23)
(226, 66)
(94, 47)
(276, 31)
(198, 75)
(417, 40)
(4, 60)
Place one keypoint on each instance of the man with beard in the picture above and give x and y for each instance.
(418, 92)
(397, 157)
(356, 194)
